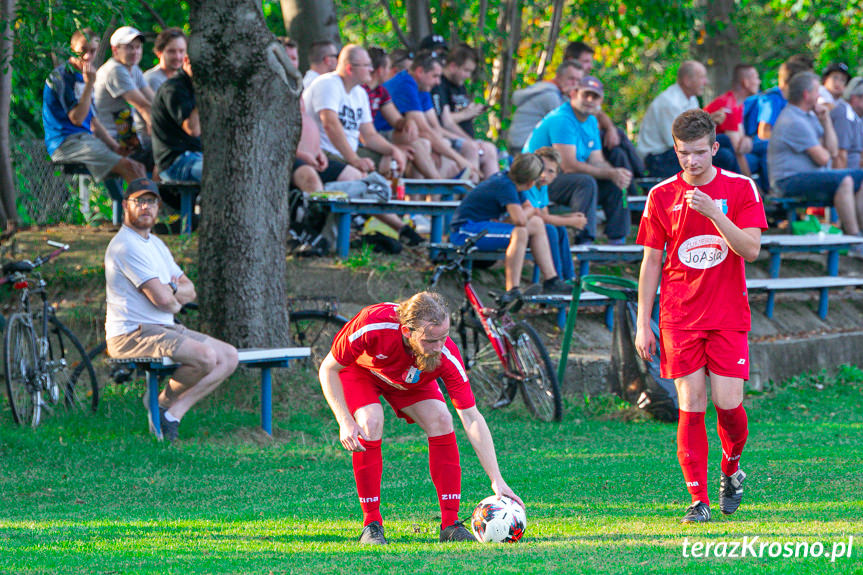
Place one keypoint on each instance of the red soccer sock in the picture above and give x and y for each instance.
(733, 427)
(692, 453)
(446, 475)
(368, 468)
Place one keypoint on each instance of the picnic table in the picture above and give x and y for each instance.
(345, 208)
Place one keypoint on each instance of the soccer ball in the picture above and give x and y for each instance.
(498, 520)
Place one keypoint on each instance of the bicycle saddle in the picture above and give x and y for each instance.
(22, 266)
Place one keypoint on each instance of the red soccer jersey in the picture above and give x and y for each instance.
(372, 340)
(733, 112)
(703, 281)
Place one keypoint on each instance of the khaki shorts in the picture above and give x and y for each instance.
(89, 150)
(151, 340)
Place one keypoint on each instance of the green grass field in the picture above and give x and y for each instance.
(95, 494)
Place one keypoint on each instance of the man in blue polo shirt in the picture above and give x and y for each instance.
(73, 134)
(410, 92)
(573, 131)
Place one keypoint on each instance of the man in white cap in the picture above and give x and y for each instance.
(121, 88)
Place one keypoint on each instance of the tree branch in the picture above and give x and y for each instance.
(153, 13)
(548, 53)
(395, 23)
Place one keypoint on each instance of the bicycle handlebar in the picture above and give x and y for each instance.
(462, 251)
(25, 266)
(470, 244)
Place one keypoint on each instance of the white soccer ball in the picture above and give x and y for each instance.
(498, 520)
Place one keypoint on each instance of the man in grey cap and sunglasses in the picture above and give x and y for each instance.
(144, 289)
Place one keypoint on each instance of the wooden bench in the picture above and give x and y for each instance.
(187, 191)
(776, 245)
(561, 303)
(791, 205)
(446, 189)
(155, 368)
(821, 283)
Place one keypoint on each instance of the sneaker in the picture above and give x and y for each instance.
(410, 236)
(698, 512)
(556, 286)
(730, 491)
(170, 429)
(373, 534)
(456, 532)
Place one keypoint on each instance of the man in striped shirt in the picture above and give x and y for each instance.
(399, 351)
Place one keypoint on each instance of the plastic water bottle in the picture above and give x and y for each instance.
(504, 158)
(397, 186)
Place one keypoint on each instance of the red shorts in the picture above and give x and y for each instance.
(362, 387)
(684, 351)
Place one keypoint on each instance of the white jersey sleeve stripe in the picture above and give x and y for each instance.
(371, 327)
(448, 354)
(743, 177)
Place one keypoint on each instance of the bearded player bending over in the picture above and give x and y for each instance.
(399, 351)
(709, 221)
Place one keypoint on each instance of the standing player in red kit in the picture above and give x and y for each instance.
(399, 351)
(709, 221)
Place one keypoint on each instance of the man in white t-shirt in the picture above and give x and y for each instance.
(340, 107)
(322, 59)
(144, 289)
(120, 84)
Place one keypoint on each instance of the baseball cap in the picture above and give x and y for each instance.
(140, 187)
(124, 35)
(591, 83)
(854, 87)
(836, 67)
(433, 42)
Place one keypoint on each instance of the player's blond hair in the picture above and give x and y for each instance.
(426, 307)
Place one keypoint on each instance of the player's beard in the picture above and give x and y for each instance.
(425, 361)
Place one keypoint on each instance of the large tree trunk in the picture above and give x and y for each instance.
(247, 95)
(716, 46)
(310, 21)
(8, 212)
(419, 20)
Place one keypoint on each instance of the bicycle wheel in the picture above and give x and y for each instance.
(315, 329)
(20, 368)
(539, 386)
(69, 367)
(484, 368)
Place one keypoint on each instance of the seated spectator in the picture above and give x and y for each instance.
(311, 168)
(456, 112)
(73, 133)
(655, 143)
(581, 53)
(616, 147)
(486, 206)
(400, 60)
(849, 126)
(533, 103)
(555, 225)
(406, 134)
(121, 93)
(177, 129)
(410, 92)
(802, 143)
(434, 43)
(833, 82)
(170, 49)
(323, 57)
(728, 113)
(573, 131)
(340, 107)
(760, 113)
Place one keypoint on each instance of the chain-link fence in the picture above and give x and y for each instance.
(47, 195)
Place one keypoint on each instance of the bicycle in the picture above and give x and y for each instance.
(44, 362)
(501, 355)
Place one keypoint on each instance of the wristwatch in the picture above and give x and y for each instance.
(173, 287)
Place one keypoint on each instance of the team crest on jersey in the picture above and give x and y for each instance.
(703, 252)
(412, 375)
(722, 204)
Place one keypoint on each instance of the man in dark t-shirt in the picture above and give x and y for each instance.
(177, 129)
